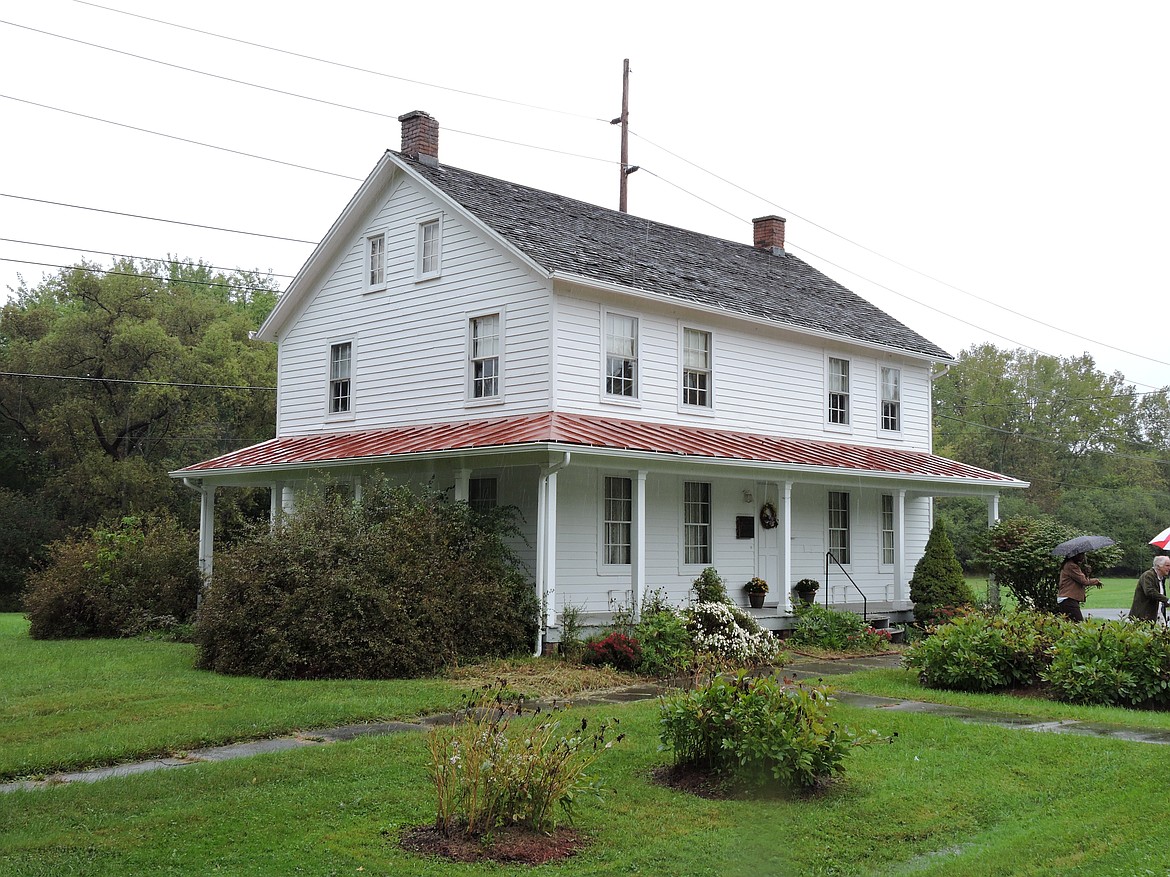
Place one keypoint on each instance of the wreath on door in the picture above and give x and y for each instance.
(768, 518)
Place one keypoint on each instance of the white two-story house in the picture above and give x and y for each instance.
(653, 400)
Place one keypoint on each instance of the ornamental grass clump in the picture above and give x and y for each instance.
(755, 731)
(503, 765)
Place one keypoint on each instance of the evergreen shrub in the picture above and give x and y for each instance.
(937, 586)
(116, 581)
(1113, 663)
(398, 585)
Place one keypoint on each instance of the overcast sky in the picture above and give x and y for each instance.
(990, 171)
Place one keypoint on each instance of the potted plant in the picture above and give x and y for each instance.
(756, 589)
(806, 590)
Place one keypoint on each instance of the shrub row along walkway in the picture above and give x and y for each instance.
(802, 668)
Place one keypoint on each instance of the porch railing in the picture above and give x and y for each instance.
(830, 558)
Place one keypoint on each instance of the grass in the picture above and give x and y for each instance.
(944, 798)
(1114, 593)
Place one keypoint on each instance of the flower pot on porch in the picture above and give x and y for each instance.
(806, 590)
(755, 599)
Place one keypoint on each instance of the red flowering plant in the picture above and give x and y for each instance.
(618, 650)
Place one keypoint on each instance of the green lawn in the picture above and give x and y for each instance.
(1115, 593)
(944, 798)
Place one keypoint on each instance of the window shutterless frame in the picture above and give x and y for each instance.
(428, 262)
(890, 403)
(620, 370)
(696, 369)
(837, 392)
(374, 262)
(339, 398)
(485, 348)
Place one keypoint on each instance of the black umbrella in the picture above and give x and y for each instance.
(1081, 543)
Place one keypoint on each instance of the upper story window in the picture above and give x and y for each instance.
(696, 368)
(838, 391)
(891, 410)
(839, 526)
(621, 356)
(696, 522)
(619, 518)
(483, 494)
(430, 249)
(485, 357)
(887, 529)
(340, 375)
(375, 276)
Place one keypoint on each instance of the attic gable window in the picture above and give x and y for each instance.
(485, 356)
(375, 258)
(429, 258)
(621, 356)
(838, 397)
(340, 370)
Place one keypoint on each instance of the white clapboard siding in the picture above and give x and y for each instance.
(410, 340)
(764, 378)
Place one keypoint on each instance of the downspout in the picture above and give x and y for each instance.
(546, 532)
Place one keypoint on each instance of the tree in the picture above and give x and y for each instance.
(938, 583)
(1018, 552)
(138, 370)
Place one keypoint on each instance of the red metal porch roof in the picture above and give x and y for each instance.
(579, 430)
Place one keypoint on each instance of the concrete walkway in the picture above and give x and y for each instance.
(801, 669)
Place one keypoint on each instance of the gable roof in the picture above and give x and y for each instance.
(560, 431)
(580, 240)
(575, 240)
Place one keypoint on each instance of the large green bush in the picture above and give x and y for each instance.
(1113, 663)
(825, 628)
(118, 581)
(985, 651)
(937, 586)
(755, 731)
(398, 585)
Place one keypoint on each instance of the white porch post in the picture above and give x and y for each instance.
(288, 500)
(992, 520)
(550, 551)
(638, 544)
(357, 489)
(275, 503)
(462, 490)
(786, 543)
(901, 591)
(206, 530)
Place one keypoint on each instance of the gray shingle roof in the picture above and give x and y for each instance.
(573, 237)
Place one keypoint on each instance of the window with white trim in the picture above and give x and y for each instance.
(887, 533)
(618, 519)
(430, 249)
(483, 493)
(484, 368)
(340, 375)
(838, 391)
(891, 404)
(621, 356)
(375, 262)
(696, 368)
(839, 526)
(696, 522)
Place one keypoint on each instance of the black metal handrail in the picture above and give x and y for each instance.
(864, 603)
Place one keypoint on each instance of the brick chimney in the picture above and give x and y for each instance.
(420, 137)
(769, 234)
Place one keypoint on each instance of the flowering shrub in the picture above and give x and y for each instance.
(488, 774)
(618, 650)
(729, 635)
(756, 730)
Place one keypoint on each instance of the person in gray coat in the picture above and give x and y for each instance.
(1150, 597)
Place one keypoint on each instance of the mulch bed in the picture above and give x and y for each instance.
(511, 844)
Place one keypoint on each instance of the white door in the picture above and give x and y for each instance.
(768, 546)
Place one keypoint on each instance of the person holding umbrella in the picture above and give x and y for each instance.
(1149, 599)
(1070, 593)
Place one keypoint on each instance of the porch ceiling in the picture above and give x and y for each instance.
(557, 430)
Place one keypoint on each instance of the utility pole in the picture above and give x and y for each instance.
(624, 120)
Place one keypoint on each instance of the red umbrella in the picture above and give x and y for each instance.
(1162, 539)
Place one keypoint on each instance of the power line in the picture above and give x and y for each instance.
(113, 273)
(127, 381)
(255, 234)
(342, 65)
(166, 261)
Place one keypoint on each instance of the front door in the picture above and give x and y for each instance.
(768, 545)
